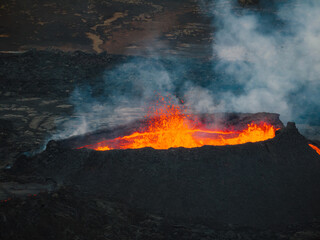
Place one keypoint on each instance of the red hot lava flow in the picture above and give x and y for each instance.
(315, 148)
(169, 126)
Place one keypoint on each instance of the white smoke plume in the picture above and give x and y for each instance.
(278, 67)
(262, 62)
(126, 92)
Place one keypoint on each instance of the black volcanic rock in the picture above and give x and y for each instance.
(265, 184)
(6, 129)
(69, 214)
(248, 2)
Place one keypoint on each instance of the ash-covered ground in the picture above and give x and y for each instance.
(119, 27)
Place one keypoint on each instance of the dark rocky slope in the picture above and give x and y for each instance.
(267, 184)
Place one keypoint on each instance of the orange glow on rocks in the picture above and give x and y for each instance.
(315, 148)
(169, 126)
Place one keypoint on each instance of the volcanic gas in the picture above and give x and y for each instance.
(168, 125)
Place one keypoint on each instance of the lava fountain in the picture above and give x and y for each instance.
(169, 125)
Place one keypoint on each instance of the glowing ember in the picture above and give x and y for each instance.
(169, 126)
(315, 148)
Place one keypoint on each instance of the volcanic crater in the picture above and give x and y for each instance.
(251, 189)
(269, 183)
(174, 174)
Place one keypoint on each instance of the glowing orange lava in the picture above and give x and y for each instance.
(315, 148)
(169, 126)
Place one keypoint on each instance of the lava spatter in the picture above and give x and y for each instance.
(169, 126)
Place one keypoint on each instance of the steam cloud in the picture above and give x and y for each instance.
(262, 62)
(124, 95)
(277, 67)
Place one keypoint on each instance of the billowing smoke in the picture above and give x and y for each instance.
(263, 61)
(123, 95)
(273, 55)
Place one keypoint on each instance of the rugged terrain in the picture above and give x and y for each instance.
(122, 26)
(49, 49)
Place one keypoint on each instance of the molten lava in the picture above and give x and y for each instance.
(315, 148)
(169, 126)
